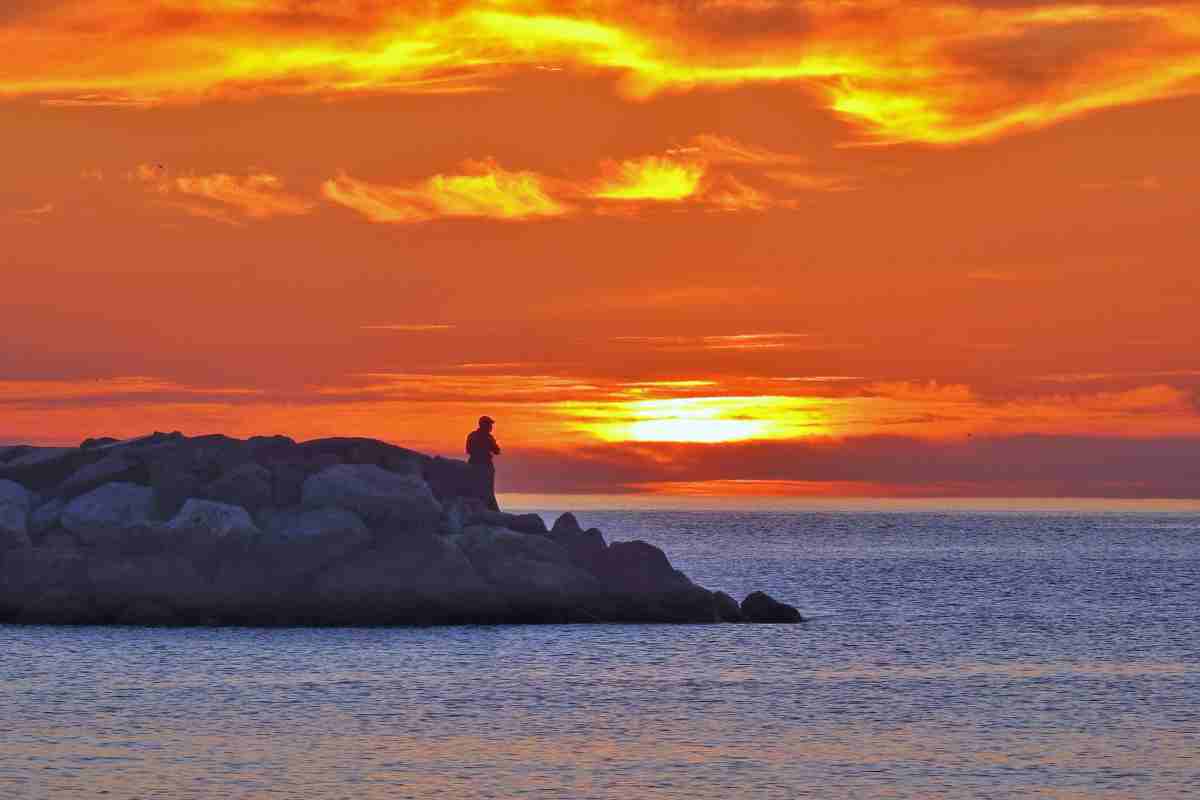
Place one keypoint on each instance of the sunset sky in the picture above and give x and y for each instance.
(697, 247)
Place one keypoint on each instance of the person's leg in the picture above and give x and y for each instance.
(491, 488)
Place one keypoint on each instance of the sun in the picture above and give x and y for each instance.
(700, 420)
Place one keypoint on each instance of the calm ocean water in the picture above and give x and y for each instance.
(950, 654)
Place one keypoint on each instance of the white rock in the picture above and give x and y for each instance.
(14, 494)
(106, 514)
(372, 492)
(212, 520)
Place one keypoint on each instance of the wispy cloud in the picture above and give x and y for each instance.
(942, 72)
(713, 174)
(739, 341)
(28, 216)
(409, 328)
(221, 196)
(483, 190)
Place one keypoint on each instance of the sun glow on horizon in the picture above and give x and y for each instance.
(701, 420)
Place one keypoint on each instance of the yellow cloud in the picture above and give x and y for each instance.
(935, 71)
(485, 191)
(650, 178)
(259, 195)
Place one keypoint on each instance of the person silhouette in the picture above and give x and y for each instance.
(481, 447)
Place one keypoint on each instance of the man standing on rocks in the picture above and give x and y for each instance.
(481, 447)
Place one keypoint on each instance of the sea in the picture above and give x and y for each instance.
(953, 650)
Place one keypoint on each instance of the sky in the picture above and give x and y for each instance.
(679, 248)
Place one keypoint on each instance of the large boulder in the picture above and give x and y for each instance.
(12, 451)
(46, 517)
(14, 531)
(110, 514)
(14, 494)
(422, 579)
(113, 468)
(46, 586)
(728, 609)
(121, 581)
(566, 524)
(649, 588)
(249, 486)
(586, 548)
(523, 523)
(179, 468)
(459, 512)
(638, 567)
(298, 542)
(205, 526)
(533, 574)
(375, 494)
(365, 451)
(449, 478)
(762, 608)
(44, 468)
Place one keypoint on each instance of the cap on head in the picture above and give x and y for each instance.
(486, 421)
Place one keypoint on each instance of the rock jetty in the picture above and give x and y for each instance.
(172, 530)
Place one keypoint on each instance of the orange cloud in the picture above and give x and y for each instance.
(258, 195)
(936, 71)
(485, 190)
(28, 216)
(701, 175)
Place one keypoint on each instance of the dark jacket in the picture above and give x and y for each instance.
(481, 446)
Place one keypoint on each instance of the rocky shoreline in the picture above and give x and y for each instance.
(171, 530)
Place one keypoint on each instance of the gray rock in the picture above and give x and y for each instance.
(533, 575)
(414, 580)
(46, 516)
(586, 549)
(727, 608)
(45, 586)
(14, 531)
(173, 484)
(365, 451)
(9, 452)
(114, 468)
(99, 441)
(566, 524)
(107, 514)
(287, 481)
(638, 567)
(762, 608)
(523, 523)
(44, 468)
(58, 538)
(206, 520)
(171, 579)
(373, 493)
(298, 542)
(649, 588)
(14, 494)
(249, 486)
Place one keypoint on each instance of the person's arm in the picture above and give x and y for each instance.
(495, 446)
(468, 447)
